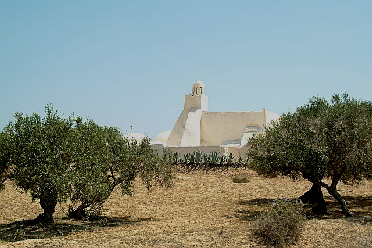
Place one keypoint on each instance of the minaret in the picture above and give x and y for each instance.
(197, 99)
(186, 131)
(198, 88)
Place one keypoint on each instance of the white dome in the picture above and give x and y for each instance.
(199, 83)
(163, 137)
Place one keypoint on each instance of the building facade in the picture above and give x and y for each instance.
(199, 129)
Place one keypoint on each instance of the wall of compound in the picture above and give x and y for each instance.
(237, 152)
(219, 127)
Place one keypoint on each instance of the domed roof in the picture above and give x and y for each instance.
(163, 137)
(199, 83)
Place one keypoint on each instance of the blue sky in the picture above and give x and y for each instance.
(130, 63)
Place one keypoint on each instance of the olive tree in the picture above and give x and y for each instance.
(320, 140)
(58, 159)
(37, 151)
(103, 160)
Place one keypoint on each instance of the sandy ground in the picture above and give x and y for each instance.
(203, 209)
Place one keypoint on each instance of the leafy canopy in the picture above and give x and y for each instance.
(320, 139)
(103, 159)
(58, 159)
(38, 152)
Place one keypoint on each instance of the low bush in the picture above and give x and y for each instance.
(281, 225)
(240, 179)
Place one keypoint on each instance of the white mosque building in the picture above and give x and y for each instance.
(223, 132)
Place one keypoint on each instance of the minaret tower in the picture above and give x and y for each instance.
(186, 131)
(197, 99)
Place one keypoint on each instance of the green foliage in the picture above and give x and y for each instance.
(153, 169)
(320, 139)
(37, 150)
(104, 160)
(58, 159)
(200, 160)
(91, 158)
(240, 179)
(281, 225)
(214, 158)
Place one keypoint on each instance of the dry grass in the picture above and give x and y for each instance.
(203, 209)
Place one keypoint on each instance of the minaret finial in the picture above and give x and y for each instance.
(198, 88)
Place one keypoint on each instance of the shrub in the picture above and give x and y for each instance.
(198, 159)
(280, 225)
(240, 179)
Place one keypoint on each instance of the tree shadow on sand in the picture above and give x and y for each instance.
(252, 212)
(361, 206)
(29, 229)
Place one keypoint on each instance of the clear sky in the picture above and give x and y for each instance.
(130, 63)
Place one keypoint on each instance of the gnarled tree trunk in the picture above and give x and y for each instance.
(315, 195)
(333, 192)
(48, 205)
(79, 213)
